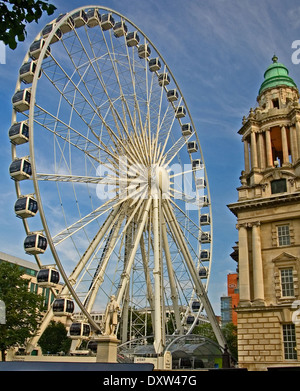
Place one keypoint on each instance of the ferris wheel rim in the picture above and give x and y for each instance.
(31, 143)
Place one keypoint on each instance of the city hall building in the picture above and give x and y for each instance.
(268, 223)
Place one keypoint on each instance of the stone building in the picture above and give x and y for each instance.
(268, 223)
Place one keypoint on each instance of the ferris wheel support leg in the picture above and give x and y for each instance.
(193, 272)
(158, 336)
(150, 294)
(136, 241)
(34, 340)
(174, 295)
(100, 276)
(93, 245)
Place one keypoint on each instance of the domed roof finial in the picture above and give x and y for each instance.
(274, 58)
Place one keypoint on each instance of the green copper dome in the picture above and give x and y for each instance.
(276, 75)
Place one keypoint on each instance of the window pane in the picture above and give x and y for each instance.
(283, 235)
(287, 283)
(289, 342)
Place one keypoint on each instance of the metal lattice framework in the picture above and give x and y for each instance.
(117, 173)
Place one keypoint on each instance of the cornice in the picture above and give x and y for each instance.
(260, 203)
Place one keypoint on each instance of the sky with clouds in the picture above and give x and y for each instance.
(217, 51)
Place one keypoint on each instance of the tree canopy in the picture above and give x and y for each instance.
(14, 14)
(23, 308)
(54, 339)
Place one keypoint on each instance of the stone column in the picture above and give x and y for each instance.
(253, 151)
(246, 153)
(294, 146)
(261, 151)
(244, 280)
(270, 162)
(285, 148)
(258, 281)
(297, 128)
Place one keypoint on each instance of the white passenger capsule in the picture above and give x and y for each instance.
(20, 169)
(21, 100)
(26, 206)
(93, 17)
(19, 133)
(107, 21)
(35, 243)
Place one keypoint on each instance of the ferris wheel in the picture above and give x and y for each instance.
(105, 152)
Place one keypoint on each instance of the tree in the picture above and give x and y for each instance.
(23, 308)
(230, 334)
(54, 339)
(15, 14)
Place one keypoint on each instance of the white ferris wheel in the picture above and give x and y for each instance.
(105, 152)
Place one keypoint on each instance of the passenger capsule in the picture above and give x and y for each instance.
(192, 146)
(21, 100)
(200, 183)
(35, 243)
(195, 306)
(107, 21)
(63, 307)
(205, 237)
(197, 164)
(19, 133)
(80, 330)
(93, 17)
(163, 79)
(68, 24)
(132, 39)
(180, 112)
(186, 129)
(27, 72)
(203, 200)
(154, 64)
(26, 206)
(36, 49)
(144, 51)
(48, 29)
(20, 169)
(203, 271)
(93, 346)
(204, 255)
(172, 95)
(120, 29)
(48, 277)
(80, 18)
(205, 219)
(190, 319)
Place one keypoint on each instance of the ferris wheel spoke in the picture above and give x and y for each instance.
(82, 222)
(70, 178)
(66, 132)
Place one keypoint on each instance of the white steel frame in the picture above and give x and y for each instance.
(145, 241)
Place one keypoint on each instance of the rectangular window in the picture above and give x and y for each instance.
(283, 235)
(287, 282)
(278, 186)
(289, 342)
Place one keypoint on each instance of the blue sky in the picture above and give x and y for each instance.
(218, 51)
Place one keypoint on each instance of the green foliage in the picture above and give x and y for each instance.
(54, 339)
(230, 333)
(14, 14)
(23, 308)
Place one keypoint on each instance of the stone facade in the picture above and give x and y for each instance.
(268, 221)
